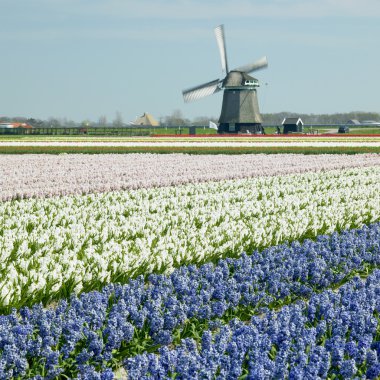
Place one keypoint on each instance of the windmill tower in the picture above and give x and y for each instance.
(240, 108)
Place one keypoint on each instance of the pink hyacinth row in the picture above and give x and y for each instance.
(38, 175)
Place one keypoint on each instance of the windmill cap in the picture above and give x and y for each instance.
(237, 78)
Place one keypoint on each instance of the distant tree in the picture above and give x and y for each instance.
(204, 120)
(70, 124)
(85, 123)
(20, 119)
(118, 121)
(32, 122)
(175, 119)
(53, 122)
(35, 122)
(66, 123)
(102, 121)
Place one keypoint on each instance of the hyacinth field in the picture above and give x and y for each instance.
(146, 266)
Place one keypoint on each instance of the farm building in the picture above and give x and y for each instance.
(292, 124)
(353, 122)
(146, 119)
(15, 125)
(13, 128)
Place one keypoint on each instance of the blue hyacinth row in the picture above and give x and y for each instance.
(335, 335)
(87, 335)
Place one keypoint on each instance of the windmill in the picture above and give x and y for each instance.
(240, 108)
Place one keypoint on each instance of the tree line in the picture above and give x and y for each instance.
(176, 118)
(336, 118)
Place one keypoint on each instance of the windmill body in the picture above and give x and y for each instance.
(240, 108)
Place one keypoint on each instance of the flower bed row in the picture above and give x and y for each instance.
(36, 175)
(334, 335)
(53, 247)
(193, 150)
(98, 330)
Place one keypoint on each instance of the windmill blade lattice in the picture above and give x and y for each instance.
(261, 63)
(201, 91)
(219, 34)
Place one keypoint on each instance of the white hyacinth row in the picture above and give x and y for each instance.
(51, 247)
(41, 175)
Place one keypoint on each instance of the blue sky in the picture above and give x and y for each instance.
(82, 59)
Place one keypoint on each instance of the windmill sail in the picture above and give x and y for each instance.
(201, 91)
(219, 34)
(254, 66)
